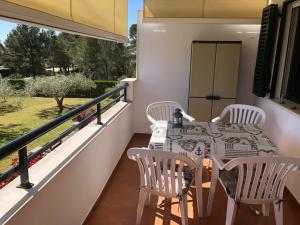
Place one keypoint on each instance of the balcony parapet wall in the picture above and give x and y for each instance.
(70, 179)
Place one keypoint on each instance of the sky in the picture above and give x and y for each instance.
(133, 7)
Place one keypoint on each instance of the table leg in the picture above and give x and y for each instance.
(198, 182)
(214, 180)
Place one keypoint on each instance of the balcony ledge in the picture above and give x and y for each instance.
(42, 173)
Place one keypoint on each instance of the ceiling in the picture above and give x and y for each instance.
(203, 8)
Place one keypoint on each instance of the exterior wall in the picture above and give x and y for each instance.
(69, 195)
(282, 126)
(164, 50)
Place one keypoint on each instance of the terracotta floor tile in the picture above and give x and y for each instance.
(118, 202)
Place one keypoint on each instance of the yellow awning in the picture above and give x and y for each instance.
(203, 8)
(97, 18)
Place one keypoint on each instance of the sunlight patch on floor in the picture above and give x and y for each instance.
(206, 185)
(172, 211)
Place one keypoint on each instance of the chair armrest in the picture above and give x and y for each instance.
(153, 126)
(188, 117)
(216, 119)
(151, 120)
(218, 162)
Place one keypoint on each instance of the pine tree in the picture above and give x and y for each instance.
(26, 50)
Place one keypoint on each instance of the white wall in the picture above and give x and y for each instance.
(71, 191)
(282, 126)
(163, 59)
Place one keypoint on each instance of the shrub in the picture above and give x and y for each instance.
(6, 90)
(17, 84)
(101, 87)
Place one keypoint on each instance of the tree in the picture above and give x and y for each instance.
(58, 87)
(105, 60)
(132, 48)
(121, 60)
(133, 36)
(92, 64)
(26, 50)
(6, 90)
(58, 54)
(52, 48)
(1, 53)
(68, 44)
(29, 50)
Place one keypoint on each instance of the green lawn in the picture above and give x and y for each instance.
(33, 112)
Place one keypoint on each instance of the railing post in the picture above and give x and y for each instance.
(23, 162)
(99, 114)
(125, 94)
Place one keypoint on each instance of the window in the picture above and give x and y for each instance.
(288, 54)
(292, 91)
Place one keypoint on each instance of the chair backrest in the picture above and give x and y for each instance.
(162, 173)
(262, 179)
(161, 111)
(245, 114)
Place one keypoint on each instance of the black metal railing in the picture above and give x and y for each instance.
(20, 144)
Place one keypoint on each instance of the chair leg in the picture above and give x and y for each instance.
(198, 182)
(183, 210)
(148, 199)
(278, 209)
(266, 209)
(231, 211)
(142, 199)
(214, 181)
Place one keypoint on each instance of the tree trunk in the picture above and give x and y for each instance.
(106, 71)
(60, 104)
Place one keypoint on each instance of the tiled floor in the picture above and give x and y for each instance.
(118, 202)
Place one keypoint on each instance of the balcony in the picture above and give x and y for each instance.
(88, 179)
(90, 174)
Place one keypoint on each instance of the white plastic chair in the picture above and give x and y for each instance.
(165, 174)
(245, 114)
(158, 111)
(253, 180)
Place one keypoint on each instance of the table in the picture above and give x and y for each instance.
(223, 141)
(202, 139)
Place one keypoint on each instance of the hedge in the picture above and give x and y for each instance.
(18, 84)
(101, 88)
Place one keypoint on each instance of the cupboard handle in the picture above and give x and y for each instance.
(213, 97)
